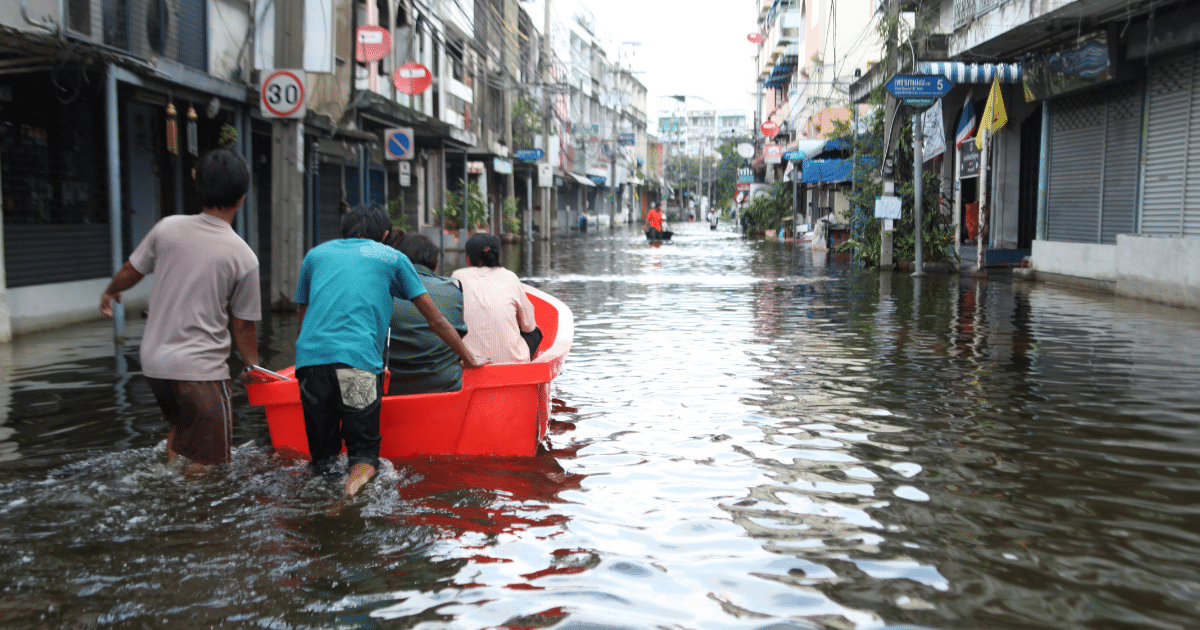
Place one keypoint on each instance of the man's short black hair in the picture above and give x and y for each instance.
(420, 250)
(222, 177)
(366, 220)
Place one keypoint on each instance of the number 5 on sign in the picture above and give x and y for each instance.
(282, 94)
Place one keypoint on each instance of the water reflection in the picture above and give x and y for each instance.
(745, 436)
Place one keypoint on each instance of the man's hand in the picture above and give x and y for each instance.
(125, 279)
(476, 362)
(106, 301)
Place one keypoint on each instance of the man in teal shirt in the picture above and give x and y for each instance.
(345, 297)
(419, 361)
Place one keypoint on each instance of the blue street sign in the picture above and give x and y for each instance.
(598, 180)
(529, 155)
(745, 178)
(628, 139)
(398, 143)
(794, 156)
(916, 86)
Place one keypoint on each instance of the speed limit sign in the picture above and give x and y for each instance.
(282, 94)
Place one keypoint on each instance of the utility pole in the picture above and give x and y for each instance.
(287, 166)
(918, 185)
(616, 101)
(891, 130)
(547, 189)
(509, 63)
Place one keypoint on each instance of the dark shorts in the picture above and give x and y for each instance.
(201, 417)
(341, 404)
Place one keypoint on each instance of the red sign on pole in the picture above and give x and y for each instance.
(769, 129)
(412, 78)
(754, 37)
(374, 43)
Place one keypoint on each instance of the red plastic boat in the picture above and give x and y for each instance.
(501, 409)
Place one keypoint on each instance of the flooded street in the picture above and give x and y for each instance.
(744, 437)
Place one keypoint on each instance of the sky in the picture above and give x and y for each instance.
(697, 48)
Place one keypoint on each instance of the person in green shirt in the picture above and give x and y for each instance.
(420, 362)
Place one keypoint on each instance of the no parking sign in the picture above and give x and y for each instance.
(398, 143)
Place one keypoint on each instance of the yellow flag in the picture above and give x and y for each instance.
(994, 116)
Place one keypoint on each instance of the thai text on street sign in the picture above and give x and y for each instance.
(906, 86)
(529, 155)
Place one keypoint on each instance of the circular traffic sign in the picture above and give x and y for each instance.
(745, 150)
(412, 78)
(399, 144)
(754, 37)
(374, 43)
(282, 94)
(769, 129)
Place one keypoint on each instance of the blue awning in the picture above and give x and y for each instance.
(831, 170)
(783, 67)
(825, 171)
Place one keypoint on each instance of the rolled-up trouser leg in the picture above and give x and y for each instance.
(321, 401)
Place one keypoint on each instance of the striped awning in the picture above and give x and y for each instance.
(959, 72)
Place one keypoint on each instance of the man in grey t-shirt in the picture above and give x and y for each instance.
(205, 286)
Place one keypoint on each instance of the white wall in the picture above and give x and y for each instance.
(1163, 270)
(1160, 269)
(49, 305)
(1083, 260)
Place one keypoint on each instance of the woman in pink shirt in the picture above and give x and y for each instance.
(495, 306)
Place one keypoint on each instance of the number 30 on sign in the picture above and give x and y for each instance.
(282, 94)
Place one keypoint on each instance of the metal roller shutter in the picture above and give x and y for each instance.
(329, 203)
(1092, 194)
(1076, 164)
(1122, 138)
(1172, 165)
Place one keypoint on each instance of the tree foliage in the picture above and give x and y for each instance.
(766, 211)
(526, 121)
(937, 233)
(719, 169)
(477, 211)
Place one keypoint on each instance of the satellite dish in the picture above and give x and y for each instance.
(745, 150)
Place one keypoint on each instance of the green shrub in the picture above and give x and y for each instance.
(477, 214)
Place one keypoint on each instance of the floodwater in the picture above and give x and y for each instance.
(744, 437)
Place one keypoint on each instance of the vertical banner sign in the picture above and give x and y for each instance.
(282, 94)
(544, 175)
(405, 174)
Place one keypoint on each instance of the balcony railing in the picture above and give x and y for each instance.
(172, 29)
(965, 11)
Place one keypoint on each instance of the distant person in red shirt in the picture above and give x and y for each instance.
(654, 221)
